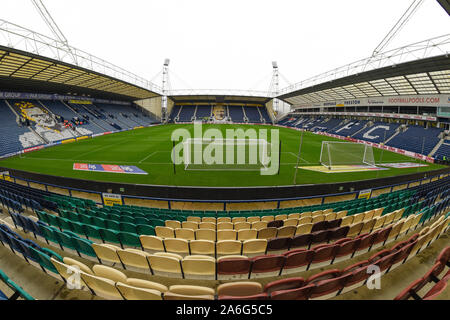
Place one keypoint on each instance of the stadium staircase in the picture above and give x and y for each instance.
(194, 117)
(397, 132)
(245, 115)
(261, 118)
(367, 125)
(177, 118)
(83, 114)
(438, 146)
(417, 139)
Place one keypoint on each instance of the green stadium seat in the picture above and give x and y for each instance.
(18, 291)
(45, 262)
(158, 223)
(92, 232)
(130, 240)
(128, 227)
(144, 229)
(50, 235)
(64, 224)
(66, 241)
(86, 219)
(98, 222)
(110, 236)
(84, 247)
(113, 225)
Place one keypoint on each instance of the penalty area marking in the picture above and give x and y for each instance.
(151, 154)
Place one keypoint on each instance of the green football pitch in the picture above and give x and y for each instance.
(150, 149)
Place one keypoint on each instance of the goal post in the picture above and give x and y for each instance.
(226, 154)
(336, 153)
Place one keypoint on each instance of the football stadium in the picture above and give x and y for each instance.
(115, 187)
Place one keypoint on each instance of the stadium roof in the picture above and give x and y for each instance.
(220, 96)
(445, 4)
(380, 76)
(37, 63)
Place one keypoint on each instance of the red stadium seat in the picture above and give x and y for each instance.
(266, 266)
(284, 284)
(233, 268)
(297, 261)
(323, 255)
(293, 294)
(301, 241)
(345, 250)
(436, 291)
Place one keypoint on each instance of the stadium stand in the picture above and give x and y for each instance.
(349, 128)
(253, 114)
(11, 133)
(417, 139)
(378, 132)
(95, 118)
(443, 151)
(186, 114)
(265, 115)
(236, 113)
(77, 232)
(327, 125)
(111, 283)
(203, 112)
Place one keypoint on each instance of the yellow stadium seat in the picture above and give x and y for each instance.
(226, 235)
(164, 232)
(207, 225)
(205, 234)
(135, 293)
(107, 253)
(199, 267)
(228, 247)
(178, 246)
(225, 226)
(247, 234)
(202, 247)
(166, 264)
(190, 225)
(186, 234)
(173, 224)
(254, 247)
(242, 226)
(152, 244)
(135, 260)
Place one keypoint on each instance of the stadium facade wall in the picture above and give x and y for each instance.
(171, 194)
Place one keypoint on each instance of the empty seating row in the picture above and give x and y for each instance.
(433, 283)
(110, 283)
(198, 264)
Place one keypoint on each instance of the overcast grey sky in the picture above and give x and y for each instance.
(230, 44)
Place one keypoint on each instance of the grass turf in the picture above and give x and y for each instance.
(150, 150)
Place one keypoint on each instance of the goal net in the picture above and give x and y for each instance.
(335, 153)
(226, 154)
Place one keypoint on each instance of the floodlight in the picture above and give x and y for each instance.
(274, 64)
(166, 62)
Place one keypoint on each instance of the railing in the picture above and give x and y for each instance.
(420, 50)
(17, 37)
